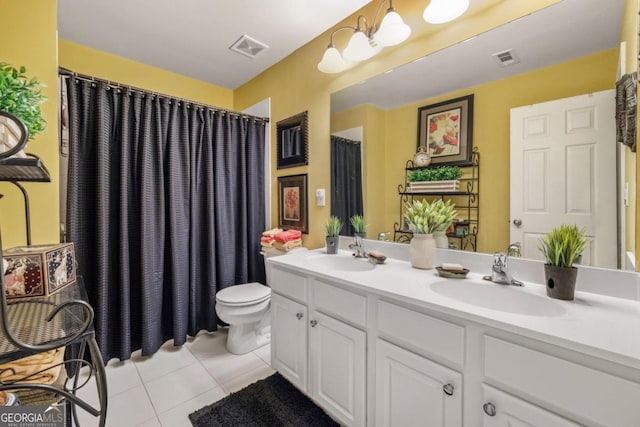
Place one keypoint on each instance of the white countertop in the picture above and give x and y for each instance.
(597, 325)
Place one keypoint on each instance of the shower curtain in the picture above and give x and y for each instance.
(165, 207)
(346, 181)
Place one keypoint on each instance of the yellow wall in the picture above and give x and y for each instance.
(85, 60)
(295, 85)
(28, 34)
(492, 102)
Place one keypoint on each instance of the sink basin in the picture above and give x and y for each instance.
(340, 262)
(498, 297)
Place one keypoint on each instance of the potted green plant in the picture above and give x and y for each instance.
(359, 225)
(423, 219)
(22, 97)
(332, 228)
(442, 178)
(447, 210)
(561, 248)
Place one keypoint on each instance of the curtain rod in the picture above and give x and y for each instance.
(66, 73)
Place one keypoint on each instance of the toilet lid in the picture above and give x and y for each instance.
(250, 293)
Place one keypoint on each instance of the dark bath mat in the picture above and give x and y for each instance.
(267, 403)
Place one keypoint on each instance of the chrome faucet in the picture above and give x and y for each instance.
(514, 249)
(358, 248)
(499, 272)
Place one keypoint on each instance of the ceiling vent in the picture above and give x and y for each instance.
(506, 58)
(248, 46)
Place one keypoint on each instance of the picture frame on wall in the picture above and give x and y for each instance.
(293, 203)
(293, 141)
(445, 131)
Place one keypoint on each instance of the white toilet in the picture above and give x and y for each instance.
(246, 309)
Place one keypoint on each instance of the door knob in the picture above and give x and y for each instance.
(517, 222)
(448, 389)
(489, 409)
(299, 316)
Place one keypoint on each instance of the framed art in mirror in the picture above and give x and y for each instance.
(292, 202)
(445, 131)
(293, 141)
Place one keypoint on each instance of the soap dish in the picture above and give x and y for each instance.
(452, 274)
(376, 257)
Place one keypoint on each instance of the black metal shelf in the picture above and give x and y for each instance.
(26, 169)
(471, 208)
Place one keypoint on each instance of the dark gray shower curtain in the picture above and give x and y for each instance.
(346, 181)
(165, 207)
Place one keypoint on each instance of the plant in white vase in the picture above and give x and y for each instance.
(423, 219)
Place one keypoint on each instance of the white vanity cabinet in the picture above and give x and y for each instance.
(414, 391)
(289, 323)
(374, 352)
(318, 349)
(503, 410)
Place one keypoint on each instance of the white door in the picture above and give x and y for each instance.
(337, 358)
(413, 391)
(289, 340)
(503, 410)
(563, 171)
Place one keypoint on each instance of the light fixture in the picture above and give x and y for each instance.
(441, 11)
(366, 41)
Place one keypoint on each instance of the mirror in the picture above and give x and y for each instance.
(564, 50)
(293, 141)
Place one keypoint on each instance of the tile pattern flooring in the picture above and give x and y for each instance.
(163, 389)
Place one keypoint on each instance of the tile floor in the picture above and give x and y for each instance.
(163, 389)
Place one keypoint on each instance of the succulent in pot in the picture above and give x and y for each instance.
(561, 248)
(333, 226)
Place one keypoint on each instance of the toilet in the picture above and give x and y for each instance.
(246, 309)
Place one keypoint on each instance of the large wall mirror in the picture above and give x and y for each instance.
(569, 49)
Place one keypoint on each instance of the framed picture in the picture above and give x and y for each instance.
(445, 131)
(293, 141)
(292, 202)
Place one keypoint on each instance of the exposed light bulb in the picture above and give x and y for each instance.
(392, 30)
(332, 61)
(441, 11)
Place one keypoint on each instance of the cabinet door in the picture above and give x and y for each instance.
(509, 411)
(289, 340)
(338, 365)
(414, 391)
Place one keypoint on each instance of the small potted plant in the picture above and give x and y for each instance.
(333, 227)
(423, 219)
(561, 248)
(22, 97)
(359, 225)
(443, 178)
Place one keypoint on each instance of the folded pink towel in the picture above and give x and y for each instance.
(287, 236)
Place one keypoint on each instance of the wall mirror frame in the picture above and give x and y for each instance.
(293, 141)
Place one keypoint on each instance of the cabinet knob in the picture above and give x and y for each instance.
(448, 389)
(489, 409)
(299, 316)
(313, 323)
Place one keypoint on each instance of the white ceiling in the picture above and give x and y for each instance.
(564, 31)
(192, 37)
